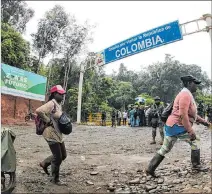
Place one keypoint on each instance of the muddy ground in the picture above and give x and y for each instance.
(117, 156)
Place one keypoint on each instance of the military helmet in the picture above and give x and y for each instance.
(157, 98)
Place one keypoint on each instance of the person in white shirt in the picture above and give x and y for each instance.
(124, 117)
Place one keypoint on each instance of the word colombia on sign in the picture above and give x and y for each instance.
(156, 37)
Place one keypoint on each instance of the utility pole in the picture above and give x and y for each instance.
(208, 19)
(80, 93)
(82, 70)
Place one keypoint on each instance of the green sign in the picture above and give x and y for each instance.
(17, 82)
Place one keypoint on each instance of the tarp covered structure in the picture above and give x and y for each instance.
(8, 153)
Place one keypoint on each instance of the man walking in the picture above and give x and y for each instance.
(179, 125)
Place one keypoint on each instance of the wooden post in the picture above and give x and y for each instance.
(29, 105)
(15, 107)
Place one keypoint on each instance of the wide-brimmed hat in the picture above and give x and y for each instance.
(189, 78)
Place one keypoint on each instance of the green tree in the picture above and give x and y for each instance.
(49, 32)
(15, 50)
(16, 13)
(123, 94)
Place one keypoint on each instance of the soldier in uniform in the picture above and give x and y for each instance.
(155, 116)
(103, 118)
(209, 113)
(113, 118)
(201, 109)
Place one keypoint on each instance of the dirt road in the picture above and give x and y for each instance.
(116, 157)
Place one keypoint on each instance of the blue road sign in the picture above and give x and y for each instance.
(156, 37)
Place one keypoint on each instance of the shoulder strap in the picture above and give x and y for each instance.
(54, 109)
(154, 106)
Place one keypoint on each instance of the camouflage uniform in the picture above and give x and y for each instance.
(201, 110)
(155, 114)
(209, 113)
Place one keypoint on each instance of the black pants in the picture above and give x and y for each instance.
(210, 119)
(124, 121)
(103, 122)
(58, 155)
(142, 120)
(113, 122)
(135, 119)
(119, 121)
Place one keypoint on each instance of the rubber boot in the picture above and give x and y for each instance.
(45, 164)
(55, 175)
(195, 160)
(156, 160)
(153, 136)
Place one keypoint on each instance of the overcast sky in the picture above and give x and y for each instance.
(120, 20)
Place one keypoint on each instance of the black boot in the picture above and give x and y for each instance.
(153, 136)
(46, 163)
(156, 160)
(195, 160)
(55, 175)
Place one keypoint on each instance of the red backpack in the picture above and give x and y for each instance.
(40, 124)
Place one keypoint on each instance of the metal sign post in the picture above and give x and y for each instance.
(208, 19)
(80, 93)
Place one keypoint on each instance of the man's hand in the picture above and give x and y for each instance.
(48, 124)
(209, 125)
(192, 135)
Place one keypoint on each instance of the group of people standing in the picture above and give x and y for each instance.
(117, 117)
(137, 116)
(149, 116)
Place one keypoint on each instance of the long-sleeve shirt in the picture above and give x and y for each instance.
(132, 112)
(184, 111)
(51, 134)
(119, 115)
(124, 115)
